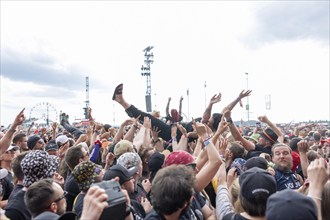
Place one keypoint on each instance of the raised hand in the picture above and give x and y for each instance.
(244, 94)
(302, 146)
(263, 119)
(19, 119)
(181, 128)
(154, 132)
(222, 125)
(147, 122)
(215, 99)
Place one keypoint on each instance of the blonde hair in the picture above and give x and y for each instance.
(234, 195)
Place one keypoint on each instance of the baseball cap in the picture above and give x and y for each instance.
(32, 141)
(121, 172)
(156, 161)
(259, 162)
(290, 205)
(12, 147)
(51, 146)
(62, 139)
(123, 146)
(129, 160)
(257, 185)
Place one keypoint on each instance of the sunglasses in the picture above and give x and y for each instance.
(61, 197)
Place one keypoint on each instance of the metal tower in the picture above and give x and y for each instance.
(87, 98)
(145, 71)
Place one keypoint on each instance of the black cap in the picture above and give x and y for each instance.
(290, 205)
(118, 171)
(259, 162)
(257, 185)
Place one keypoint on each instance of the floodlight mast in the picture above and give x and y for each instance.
(145, 71)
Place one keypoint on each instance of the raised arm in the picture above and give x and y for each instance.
(242, 95)
(277, 131)
(167, 110)
(207, 113)
(303, 149)
(248, 145)
(208, 171)
(318, 176)
(5, 141)
(180, 105)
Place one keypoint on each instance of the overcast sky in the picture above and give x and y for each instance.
(49, 47)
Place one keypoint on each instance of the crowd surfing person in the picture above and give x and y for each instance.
(208, 168)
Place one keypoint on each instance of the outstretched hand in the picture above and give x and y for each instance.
(263, 119)
(244, 94)
(216, 98)
(19, 119)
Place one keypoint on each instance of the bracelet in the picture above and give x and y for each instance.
(315, 197)
(173, 139)
(207, 141)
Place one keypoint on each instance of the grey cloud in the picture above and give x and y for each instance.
(292, 20)
(39, 69)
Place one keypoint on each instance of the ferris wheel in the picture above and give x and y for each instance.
(43, 113)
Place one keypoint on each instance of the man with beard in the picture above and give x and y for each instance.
(284, 176)
(171, 193)
(45, 199)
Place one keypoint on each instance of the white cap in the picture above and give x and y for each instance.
(12, 147)
(62, 139)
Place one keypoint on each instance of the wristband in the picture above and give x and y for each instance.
(207, 141)
(173, 139)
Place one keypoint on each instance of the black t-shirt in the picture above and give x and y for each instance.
(16, 208)
(138, 210)
(258, 150)
(16, 190)
(7, 185)
(153, 215)
(72, 188)
(139, 193)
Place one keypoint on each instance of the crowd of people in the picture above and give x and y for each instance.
(163, 168)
